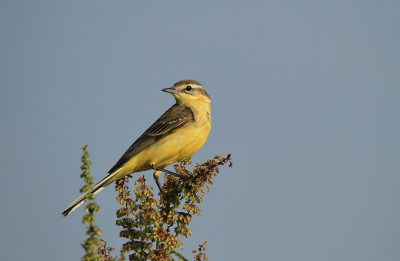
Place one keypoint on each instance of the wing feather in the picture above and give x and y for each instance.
(172, 120)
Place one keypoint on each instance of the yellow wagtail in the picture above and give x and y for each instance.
(178, 134)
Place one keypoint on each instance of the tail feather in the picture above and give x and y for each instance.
(79, 201)
(96, 189)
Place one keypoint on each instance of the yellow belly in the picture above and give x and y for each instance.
(175, 147)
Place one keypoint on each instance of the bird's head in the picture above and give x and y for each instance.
(187, 91)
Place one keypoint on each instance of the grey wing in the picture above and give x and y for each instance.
(172, 120)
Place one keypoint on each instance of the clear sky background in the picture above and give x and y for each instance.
(306, 98)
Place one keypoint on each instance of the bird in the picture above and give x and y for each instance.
(178, 134)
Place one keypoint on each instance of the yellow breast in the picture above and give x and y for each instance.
(177, 146)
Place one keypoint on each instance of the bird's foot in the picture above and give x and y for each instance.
(157, 173)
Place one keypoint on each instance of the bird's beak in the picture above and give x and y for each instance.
(170, 90)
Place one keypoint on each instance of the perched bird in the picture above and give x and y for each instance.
(178, 134)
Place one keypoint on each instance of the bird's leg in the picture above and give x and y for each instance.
(155, 176)
(157, 173)
(166, 171)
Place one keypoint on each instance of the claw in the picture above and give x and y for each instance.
(157, 173)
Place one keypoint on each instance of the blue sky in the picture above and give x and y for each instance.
(305, 98)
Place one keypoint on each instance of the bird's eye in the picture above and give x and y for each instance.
(189, 88)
